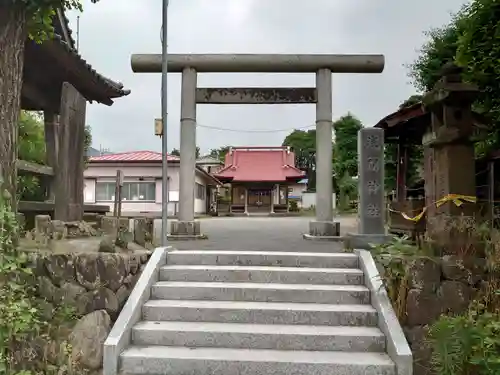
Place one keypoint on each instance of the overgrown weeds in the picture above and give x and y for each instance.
(32, 331)
(398, 257)
(461, 344)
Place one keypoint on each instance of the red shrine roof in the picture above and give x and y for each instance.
(259, 164)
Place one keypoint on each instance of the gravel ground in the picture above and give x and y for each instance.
(262, 234)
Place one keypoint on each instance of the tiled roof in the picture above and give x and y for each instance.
(116, 88)
(141, 157)
(134, 156)
(259, 164)
(66, 42)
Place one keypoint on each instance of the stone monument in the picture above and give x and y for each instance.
(371, 206)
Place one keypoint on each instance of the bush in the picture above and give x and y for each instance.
(27, 327)
(470, 343)
(462, 344)
(293, 206)
(466, 344)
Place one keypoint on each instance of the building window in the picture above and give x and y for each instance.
(131, 191)
(200, 191)
(104, 191)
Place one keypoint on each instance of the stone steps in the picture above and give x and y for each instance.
(161, 360)
(259, 336)
(260, 312)
(262, 258)
(269, 292)
(262, 274)
(257, 313)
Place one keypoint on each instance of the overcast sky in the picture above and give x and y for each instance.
(112, 30)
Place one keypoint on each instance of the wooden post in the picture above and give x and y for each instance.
(286, 199)
(51, 125)
(70, 163)
(246, 200)
(401, 171)
(117, 209)
(273, 189)
(231, 200)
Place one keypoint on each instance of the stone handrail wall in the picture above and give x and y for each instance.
(397, 345)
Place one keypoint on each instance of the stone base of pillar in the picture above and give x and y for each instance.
(324, 231)
(364, 241)
(185, 230)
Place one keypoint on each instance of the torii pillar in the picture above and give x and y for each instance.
(322, 65)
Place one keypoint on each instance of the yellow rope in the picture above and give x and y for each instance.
(457, 199)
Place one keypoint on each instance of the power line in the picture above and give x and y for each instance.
(254, 130)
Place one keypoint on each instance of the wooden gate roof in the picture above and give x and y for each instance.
(55, 61)
(412, 122)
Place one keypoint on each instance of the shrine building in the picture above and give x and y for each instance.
(259, 178)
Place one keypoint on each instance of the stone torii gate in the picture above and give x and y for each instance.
(323, 65)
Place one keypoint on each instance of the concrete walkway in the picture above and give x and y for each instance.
(262, 234)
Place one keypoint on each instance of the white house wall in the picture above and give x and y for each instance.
(107, 173)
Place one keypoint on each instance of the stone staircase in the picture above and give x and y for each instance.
(242, 312)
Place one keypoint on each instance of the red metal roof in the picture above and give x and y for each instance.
(134, 156)
(271, 164)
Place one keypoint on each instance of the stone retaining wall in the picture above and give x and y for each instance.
(442, 286)
(96, 285)
(88, 281)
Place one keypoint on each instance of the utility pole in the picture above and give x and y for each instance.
(164, 115)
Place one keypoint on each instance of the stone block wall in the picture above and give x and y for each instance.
(96, 285)
(88, 281)
(438, 286)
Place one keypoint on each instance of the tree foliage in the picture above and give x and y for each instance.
(219, 153)
(346, 145)
(471, 40)
(87, 142)
(31, 147)
(345, 162)
(39, 14)
(303, 144)
(440, 48)
(177, 152)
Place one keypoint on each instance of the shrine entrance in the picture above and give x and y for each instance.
(259, 200)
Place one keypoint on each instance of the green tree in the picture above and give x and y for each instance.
(87, 143)
(219, 153)
(176, 152)
(303, 144)
(345, 163)
(346, 145)
(19, 20)
(31, 147)
(440, 48)
(471, 40)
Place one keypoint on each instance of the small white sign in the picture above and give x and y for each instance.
(173, 196)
